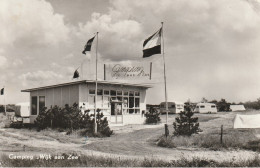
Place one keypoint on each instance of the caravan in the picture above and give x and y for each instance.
(205, 108)
(173, 107)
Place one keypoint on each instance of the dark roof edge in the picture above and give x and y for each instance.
(86, 81)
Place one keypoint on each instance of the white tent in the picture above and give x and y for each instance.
(237, 107)
(247, 121)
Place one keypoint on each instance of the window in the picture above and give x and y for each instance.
(106, 92)
(125, 102)
(213, 106)
(112, 92)
(131, 102)
(99, 92)
(34, 105)
(91, 91)
(137, 93)
(131, 93)
(137, 102)
(119, 98)
(41, 103)
(119, 92)
(125, 93)
(131, 111)
(202, 106)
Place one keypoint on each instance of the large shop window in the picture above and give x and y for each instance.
(130, 99)
(34, 105)
(99, 92)
(131, 104)
(41, 103)
(92, 91)
(137, 102)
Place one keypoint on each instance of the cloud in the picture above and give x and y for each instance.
(39, 78)
(211, 47)
(30, 17)
(118, 39)
(17, 62)
(3, 62)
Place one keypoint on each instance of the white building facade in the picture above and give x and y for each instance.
(121, 103)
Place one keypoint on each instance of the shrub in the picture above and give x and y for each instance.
(165, 142)
(185, 124)
(18, 125)
(152, 116)
(88, 121)
(72, 118)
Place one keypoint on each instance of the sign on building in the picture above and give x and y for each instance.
(128, 71)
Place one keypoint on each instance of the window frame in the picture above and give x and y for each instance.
(36, 108)
(39, 104)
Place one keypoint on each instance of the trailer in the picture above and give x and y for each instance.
(205, 108)
(173, 107)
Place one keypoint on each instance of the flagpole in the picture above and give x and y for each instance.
(81, 68)
(95, 115)
(165, 86)
(4, 101)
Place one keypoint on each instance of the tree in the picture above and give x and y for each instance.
(223, 105)
(204, 100)
(185, 124)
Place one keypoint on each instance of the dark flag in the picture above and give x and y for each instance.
(2, 91)
(76, 74)
(88, 45)
(152, 45)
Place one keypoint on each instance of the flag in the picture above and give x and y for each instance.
(76, 74)
(88, 45)
(2, 91)
(152, 45)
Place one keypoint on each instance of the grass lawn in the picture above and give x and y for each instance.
(210, 137)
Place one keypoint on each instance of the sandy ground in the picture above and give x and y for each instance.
(132, 141)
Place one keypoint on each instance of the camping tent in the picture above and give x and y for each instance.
(237, 107)
(247, 121)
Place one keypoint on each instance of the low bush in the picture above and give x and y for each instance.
(165, 142)
(152, 117)
(17, 124)
(71, 118)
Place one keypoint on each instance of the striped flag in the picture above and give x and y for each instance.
(152, 45)
(88, 45)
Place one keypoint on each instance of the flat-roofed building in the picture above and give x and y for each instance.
(121, 103)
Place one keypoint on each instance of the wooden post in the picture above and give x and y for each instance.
(221, 134)
(166, 130)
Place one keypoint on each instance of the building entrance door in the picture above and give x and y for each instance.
(116, 112)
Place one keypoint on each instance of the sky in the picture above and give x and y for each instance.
(211, 46)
